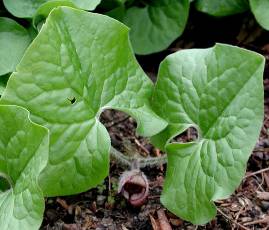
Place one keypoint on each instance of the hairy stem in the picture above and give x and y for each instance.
(143, 162)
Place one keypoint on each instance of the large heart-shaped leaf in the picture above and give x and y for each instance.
(23, 155)
(260, 10)
(222, 7)
(155, 26)
(66, 82)
(14, 40)
(219, 91)
(28, 8)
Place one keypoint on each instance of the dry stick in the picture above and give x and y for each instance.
(261, 150)
(164, 223)
(266, 178)
(142, 147)
(261, 221)
(117, 122)
(154, 223)
(62, 203)
(257, 172)
(239, 213)
(230, 219)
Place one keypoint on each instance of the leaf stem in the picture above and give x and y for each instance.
(143, 162)
(257, 172)
(230, 219)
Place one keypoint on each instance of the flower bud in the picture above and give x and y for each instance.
(134, 187)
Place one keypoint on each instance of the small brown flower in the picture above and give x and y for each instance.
(134, 187)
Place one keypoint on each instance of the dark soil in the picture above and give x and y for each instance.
(102, 208)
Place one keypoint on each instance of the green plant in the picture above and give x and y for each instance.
(260, 11)
(221, 8)
(219, 91)
(27, 8)
(155, 24)
(95, 76)
(14, 40)
(66, 82)
(23, 155)
(217, 8)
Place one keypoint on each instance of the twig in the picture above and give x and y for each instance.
(266, 178)
(230, 219)
(261, 150)
(188, 134)
(142, 147)
(154, 197)
(260, 221)
(117, 122)
(62, 203)
(158, 154)
(164, 223)
(123, 227)
(257, 172)
(239, 213)
(154, 223)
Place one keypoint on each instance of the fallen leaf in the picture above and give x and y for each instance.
(176, 222)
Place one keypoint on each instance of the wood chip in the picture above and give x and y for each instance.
(62, 203)
(164, 223)
(266, 178)
(123, 227)
(154, 223)
(263, 195)
(176, 222)
(264, 220)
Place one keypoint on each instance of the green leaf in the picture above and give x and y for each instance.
(23, 8)
(260, 10)
(28, 8)
(221, 8)
(23, 155)
(86, 4)
(155, 26)
(66, 82)
(117, 13)
(219, 91)
(14, 40)
(44, 10)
